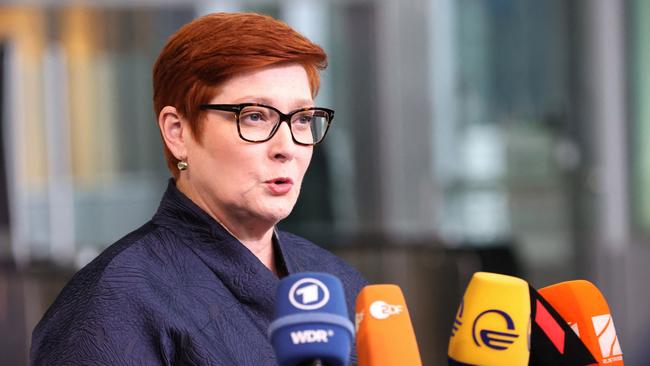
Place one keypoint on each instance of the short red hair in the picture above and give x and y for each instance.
(207, 51)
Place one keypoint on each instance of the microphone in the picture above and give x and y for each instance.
(492, 325)
(552, 341)
(385, 335)
(311, 325)
(502, 320)
(585, 309)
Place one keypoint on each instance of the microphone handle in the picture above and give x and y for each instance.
(315, 362)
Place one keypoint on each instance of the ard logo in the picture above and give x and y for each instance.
(494, 329)
(308, 294)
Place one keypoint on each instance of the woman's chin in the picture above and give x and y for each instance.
(276, 213)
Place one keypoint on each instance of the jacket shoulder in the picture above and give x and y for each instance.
(96, 312)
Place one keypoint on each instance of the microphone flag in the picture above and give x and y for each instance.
(585, 309)
(385, 334)
(552, 341)
(311, 321)
(492, 325)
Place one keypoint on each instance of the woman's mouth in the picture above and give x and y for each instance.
(279, 186)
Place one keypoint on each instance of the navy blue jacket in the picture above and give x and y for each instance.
(179, 290)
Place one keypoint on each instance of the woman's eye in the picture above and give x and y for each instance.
(305, 118)
(253, 117)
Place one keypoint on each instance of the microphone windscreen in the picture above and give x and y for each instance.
(385, 334)
(492, 325)
(585, 309)
(552, 342)
(311, 321)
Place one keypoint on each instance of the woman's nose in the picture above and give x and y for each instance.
(282, 145)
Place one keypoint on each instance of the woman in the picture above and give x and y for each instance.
(195, 285)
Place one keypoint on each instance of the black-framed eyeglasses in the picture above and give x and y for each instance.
(258, 122)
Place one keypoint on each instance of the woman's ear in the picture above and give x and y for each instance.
(174, 131)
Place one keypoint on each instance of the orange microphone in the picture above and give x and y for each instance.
(385, 335)
(583, 306)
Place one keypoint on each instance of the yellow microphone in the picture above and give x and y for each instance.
(492, 325)
(385, 335)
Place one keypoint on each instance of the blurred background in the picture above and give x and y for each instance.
(500, 135)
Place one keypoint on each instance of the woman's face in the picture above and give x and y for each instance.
(255, 184)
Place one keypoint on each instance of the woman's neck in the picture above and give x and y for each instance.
(259, 243)
(257, 238)
(263, 250)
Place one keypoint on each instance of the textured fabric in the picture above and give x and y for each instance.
(179, 290)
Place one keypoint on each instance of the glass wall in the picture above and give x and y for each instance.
(512, 149)
(82, 146)
(639, 40)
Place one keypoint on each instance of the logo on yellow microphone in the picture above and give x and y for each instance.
(457, 321)
(494, 329)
